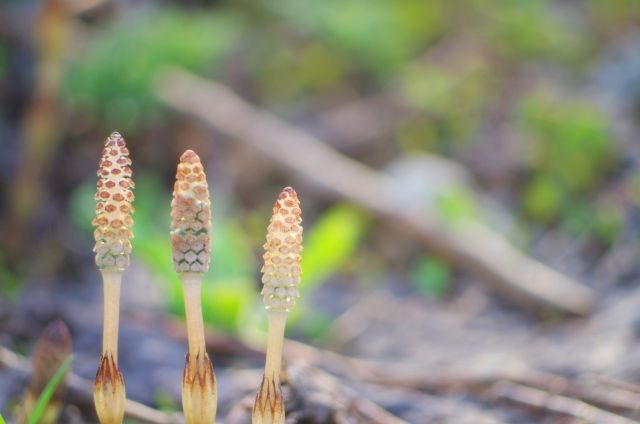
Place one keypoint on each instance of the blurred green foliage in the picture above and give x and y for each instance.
(165, 401)
(329, 244)
(10, 281)
(311, 66)
(113, 80)
(378, 35)
(457, 205)
(571, 152)
(608, 223)
(436, 91)
(431, 277)
(599, 219)
(3, 59)
(614, 15)
(572, 142)
(543, 198)
(333, 238)
(531, 29)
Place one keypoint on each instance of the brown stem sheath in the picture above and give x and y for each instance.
(199, 399)
(268, 407)
(109, 392)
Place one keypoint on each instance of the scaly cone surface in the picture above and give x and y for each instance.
(191, 217)
(281, 270)
(114, 197)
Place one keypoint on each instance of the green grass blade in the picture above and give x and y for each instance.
(48, 391)
(1, 420)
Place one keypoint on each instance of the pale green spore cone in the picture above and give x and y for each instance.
(114, 197)
(191, 217)
(281, 270)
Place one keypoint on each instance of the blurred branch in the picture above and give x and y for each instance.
(81, 390)
(551, 392)
(84, 6)
(602, 399)
(359, 121)
(475, 247)
(557, 404)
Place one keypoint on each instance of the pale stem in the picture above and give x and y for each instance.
(111, 282)
(192, 288)
(275, 340)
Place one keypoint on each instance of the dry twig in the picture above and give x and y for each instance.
(471, 379)
(556, 404)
